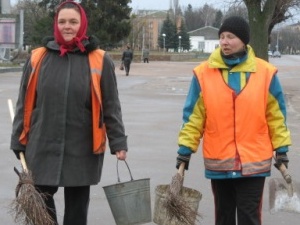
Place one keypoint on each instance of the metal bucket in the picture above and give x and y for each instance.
(130, 201)
(191, 196)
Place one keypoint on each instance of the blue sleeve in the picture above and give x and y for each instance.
(191, 99)
(193, 120)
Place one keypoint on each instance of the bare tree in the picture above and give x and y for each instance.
(237, 10)
(283, 12)
(260, 17)
(175, 12)
(208, 14)
(286, 40)
(263, 16)
(199, 17)
(136, 36)
(33, 13)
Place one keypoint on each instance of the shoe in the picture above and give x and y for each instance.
(126, 74)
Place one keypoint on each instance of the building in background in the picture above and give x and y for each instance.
(146, 28)
(204, 39)
(5, 7)
(11, 30)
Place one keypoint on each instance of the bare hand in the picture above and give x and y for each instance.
(121, 155)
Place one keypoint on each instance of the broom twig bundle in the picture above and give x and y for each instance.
(29, 207)
(177, 208)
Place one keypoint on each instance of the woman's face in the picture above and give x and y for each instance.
(68, 22)
(230, 43)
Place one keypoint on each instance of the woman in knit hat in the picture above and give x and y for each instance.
(236, 106)
(68, 104)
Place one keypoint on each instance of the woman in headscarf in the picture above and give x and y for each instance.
(63, 119)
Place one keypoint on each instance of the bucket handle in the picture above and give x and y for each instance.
(127, 168)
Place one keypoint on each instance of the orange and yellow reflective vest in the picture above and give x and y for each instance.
(96, 65)
(236, 127)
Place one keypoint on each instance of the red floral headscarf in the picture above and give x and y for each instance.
(66, 46)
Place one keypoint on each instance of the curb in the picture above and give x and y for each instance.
(11, 69)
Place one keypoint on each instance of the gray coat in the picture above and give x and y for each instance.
(59, 149)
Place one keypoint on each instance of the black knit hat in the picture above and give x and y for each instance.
(238, 26)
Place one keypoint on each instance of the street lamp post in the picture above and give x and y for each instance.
(179, 48)
(164, 37)
(277, 41)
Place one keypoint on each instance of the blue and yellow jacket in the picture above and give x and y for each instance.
(237, 106)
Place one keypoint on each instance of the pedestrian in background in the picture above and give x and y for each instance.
(236, 104)
(146, 55)
(127, 57)
(62, 127)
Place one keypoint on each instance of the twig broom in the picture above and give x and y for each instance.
(177, 208)
(28, 207)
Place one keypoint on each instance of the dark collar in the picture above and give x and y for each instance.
(90, 44)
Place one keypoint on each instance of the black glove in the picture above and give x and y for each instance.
(281, 158)
(17, 153)
(183, 158)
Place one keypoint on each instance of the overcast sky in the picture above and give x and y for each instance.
(165, 4)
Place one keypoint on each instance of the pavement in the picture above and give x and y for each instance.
(152, 97)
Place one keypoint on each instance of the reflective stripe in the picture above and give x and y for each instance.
(247, 168)
(256, 167)
(218, 164)
(96, 70)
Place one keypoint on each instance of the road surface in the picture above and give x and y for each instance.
(152, 97)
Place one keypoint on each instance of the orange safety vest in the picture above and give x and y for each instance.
(96, 65)
(236, 127)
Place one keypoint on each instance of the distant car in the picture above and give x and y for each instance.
(270, 54)
(276, 54)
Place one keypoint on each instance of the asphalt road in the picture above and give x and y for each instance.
(152, 97)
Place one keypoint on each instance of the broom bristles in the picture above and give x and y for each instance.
(177, 208)
(29, 207)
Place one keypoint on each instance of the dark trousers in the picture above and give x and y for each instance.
(127, 67)
(146, 60)
(76, 203)
(241, 198)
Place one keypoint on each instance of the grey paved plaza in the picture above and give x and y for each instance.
(152, 97)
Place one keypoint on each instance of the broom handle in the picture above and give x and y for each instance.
(287, 177)
(284, 172)
(12, 116)
(181, 168)
(23, 162)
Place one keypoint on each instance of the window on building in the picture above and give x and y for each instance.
(201, 45)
